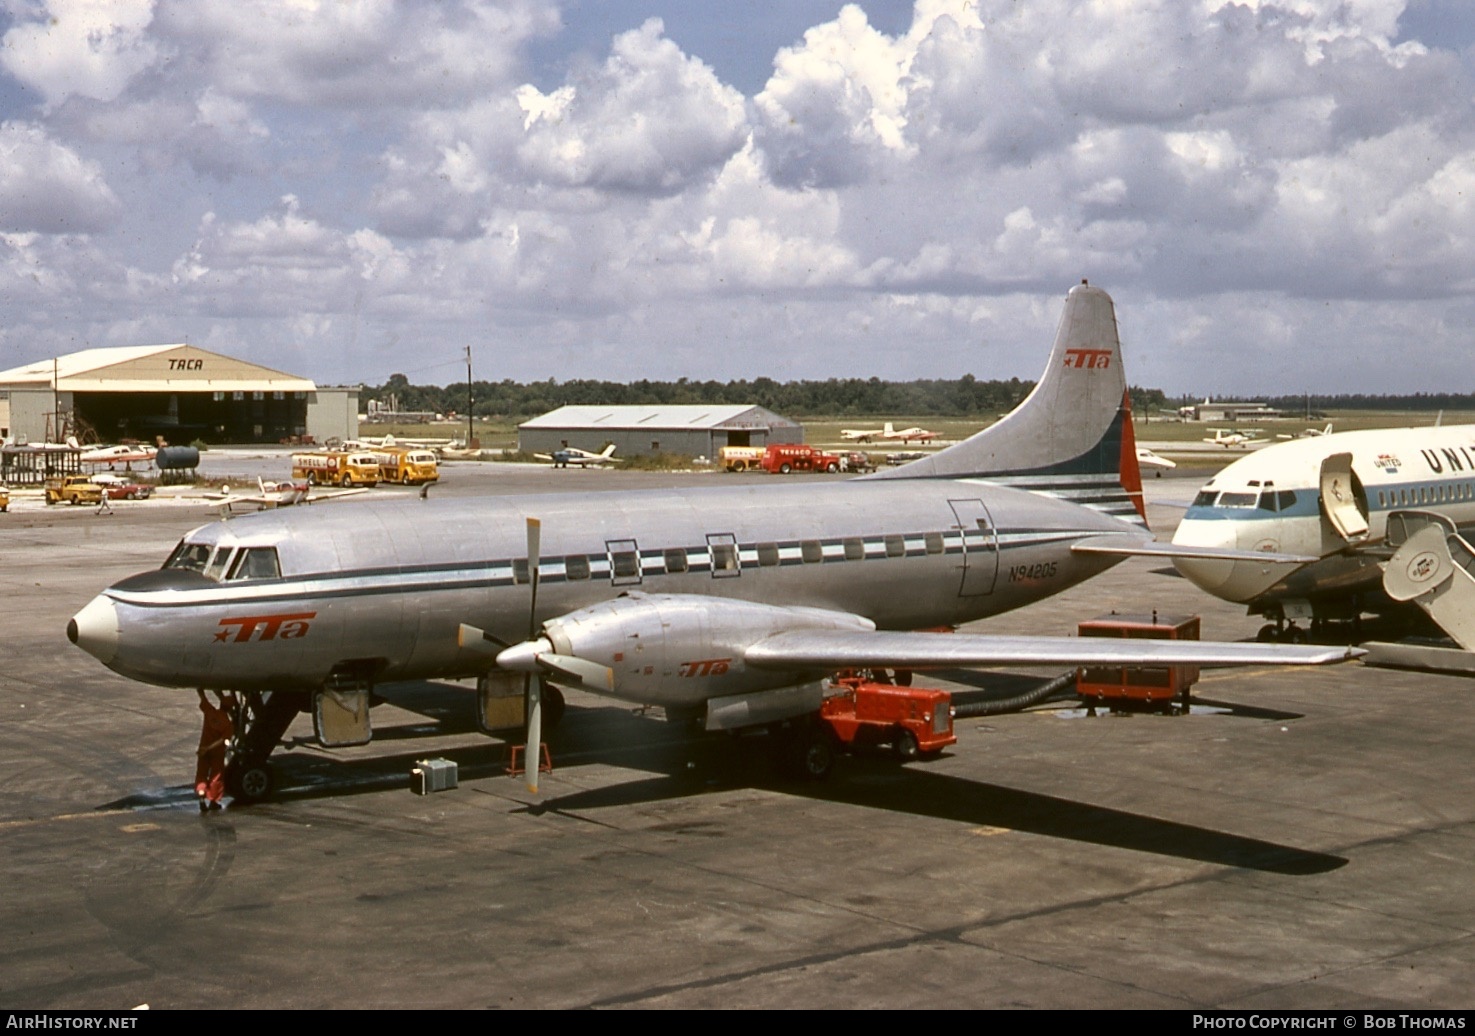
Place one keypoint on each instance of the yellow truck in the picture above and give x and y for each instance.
(337, 467)
(73, 489)
(740, 458)
(407, 465)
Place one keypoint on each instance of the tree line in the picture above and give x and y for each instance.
(931, 397)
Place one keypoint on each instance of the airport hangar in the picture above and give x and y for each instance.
(179, 392)
(685, 430)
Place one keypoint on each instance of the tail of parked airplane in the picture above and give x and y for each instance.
(1072, 436)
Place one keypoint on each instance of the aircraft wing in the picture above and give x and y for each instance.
(1135, 547)
(847, 649)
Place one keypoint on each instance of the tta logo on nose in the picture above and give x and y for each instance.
(269, 627)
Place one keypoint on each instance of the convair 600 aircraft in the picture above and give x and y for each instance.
(1346, 498)
(728, 605)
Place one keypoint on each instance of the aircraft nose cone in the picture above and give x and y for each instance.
(94, 629)
(1211, 576)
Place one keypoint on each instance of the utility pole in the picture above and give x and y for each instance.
(468, 398)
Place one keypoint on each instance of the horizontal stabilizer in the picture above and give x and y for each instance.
(1135, 547)
(842, 649)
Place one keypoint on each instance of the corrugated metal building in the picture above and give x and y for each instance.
(180, 392)
(695, 431)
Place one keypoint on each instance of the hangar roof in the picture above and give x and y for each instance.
(152, 368)
(675, 416)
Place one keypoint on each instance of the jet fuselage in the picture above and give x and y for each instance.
(1271, 501)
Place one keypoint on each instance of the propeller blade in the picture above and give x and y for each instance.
(533, 753)
(535, 537)
(476, 639)
(592, 675)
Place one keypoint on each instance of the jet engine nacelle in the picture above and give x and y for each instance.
(681, 649)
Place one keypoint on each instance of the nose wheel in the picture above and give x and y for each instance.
(250, 780)
(261, 718)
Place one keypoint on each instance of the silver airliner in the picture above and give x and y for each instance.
(728, 605)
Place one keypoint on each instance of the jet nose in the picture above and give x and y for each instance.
(94, 629)
(1210, 576)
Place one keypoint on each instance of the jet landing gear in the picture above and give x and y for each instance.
(1281, 632)
(261, 718)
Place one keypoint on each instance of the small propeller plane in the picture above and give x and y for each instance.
(1228, 437)
(572, 455)
(728, 606)
(907, 435)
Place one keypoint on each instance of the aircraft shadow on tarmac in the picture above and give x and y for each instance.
(686, 763)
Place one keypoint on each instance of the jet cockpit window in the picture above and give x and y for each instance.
(1238, 499)
(1287, 499)
(1268, 501)
(192, 557)
(255, 563)
(1206, 498)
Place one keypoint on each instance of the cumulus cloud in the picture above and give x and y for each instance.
(651, 120)
(379, 53)
(66, 48)
(326, 172)
(47, 187)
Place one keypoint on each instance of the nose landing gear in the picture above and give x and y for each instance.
(261, 718)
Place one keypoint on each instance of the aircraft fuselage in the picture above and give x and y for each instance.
(1271, 501)
(381, 587)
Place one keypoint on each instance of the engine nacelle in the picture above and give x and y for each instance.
(682, 649)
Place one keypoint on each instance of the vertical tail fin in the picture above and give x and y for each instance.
(1072, 436)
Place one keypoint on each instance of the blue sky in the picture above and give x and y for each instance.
(1277, 193)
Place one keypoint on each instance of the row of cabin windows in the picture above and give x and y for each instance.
(1441, 494)
(232, 564)
(725, 560)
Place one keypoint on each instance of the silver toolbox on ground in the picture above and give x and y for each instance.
(431, 775)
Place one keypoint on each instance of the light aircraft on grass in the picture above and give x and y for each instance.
(888, 432)
(728, 606)
(1228, 437)
(1349, 500)
(572, 455)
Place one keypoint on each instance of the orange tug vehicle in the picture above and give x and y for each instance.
(914, 721)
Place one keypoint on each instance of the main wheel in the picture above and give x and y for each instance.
(250, 781)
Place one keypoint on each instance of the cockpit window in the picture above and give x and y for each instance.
(255, 563)
(1238, 499)
(216, 568)
(1206, 498)
(192, 557)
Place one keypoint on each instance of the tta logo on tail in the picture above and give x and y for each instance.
(287, 627)
(1088, 359)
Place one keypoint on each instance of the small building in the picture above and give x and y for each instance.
(1209, 410)
(180, 393)
(689, 430)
